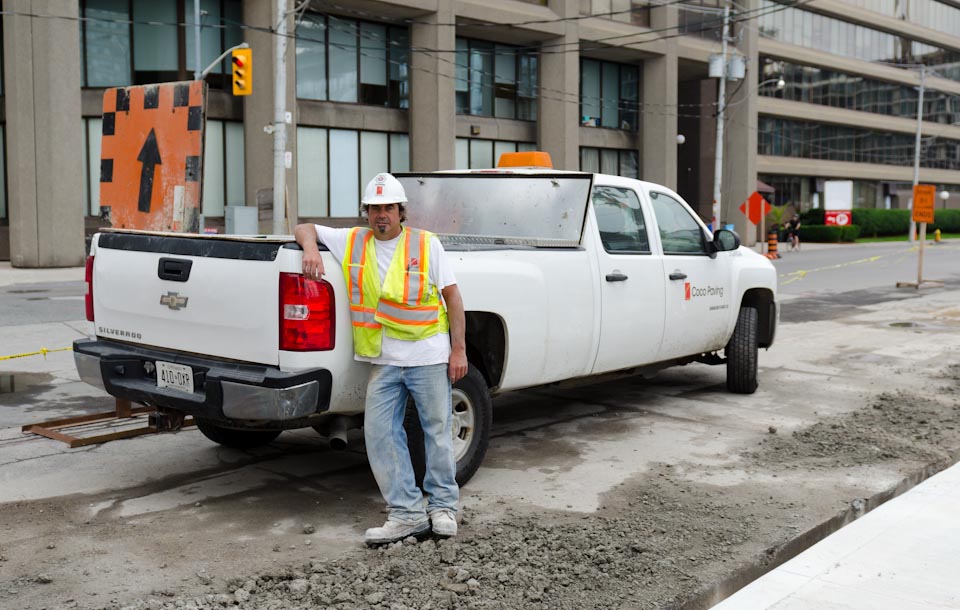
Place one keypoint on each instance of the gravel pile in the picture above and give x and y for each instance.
(896, 426)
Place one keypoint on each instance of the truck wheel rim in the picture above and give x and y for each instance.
(463, 423)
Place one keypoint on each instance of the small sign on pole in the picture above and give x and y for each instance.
(924, 199)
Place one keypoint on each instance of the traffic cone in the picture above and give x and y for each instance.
(772, 245)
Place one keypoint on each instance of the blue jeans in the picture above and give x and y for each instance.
(386, 440)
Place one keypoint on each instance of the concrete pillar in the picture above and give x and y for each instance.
(45, 175)
(258, 108)
(433, 112)
(740, 141)
(558, 118)
(659, 111)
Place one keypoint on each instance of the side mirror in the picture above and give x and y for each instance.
(724, 240)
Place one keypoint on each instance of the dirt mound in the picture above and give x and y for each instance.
(895, 426)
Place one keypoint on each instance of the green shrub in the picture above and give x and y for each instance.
(849, 233)
(820, 233)
(948, 221)
(873, 222)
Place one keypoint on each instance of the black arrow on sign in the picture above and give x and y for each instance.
(150, 157)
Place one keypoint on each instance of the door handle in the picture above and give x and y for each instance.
(616, 277)
(676, 275)
(174, 269)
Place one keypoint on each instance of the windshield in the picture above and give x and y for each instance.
(510, 209)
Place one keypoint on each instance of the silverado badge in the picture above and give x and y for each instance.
(174, 301)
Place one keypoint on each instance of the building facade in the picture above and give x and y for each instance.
(399, 85)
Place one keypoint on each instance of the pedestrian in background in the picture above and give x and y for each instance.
(793, 232)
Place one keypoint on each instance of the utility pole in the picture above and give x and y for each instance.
(197, 74)
(279, 121)
(916, 150)
(721, 107)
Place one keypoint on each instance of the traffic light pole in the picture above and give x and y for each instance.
(279, 121)
(216, 61)
(197, 74)
(721, 107)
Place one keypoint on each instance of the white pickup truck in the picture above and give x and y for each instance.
(564, 275)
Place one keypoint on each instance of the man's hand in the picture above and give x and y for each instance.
(306, 236)
(457, 369)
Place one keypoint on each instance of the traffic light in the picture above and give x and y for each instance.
(242, 71)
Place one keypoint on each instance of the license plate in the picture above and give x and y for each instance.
(176, 376)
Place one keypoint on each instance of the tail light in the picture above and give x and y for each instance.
(88, 298)
(307, 320)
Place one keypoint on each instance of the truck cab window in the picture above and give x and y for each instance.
(620, 220)
(679, 231)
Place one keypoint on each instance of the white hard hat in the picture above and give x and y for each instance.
(384, 188)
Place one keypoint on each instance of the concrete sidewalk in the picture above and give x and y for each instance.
(10, 275)
(900, 556)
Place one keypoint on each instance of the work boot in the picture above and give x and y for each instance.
(394, 530)
(444, 523)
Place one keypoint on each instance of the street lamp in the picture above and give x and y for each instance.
(779, 81)
(944, 195)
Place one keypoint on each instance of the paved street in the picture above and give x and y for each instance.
(698, 482)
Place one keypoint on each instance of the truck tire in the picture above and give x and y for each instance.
(233, 438)
(741, 353)
(472, 420)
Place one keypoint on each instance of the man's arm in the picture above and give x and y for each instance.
(457, 368)
(306, 236)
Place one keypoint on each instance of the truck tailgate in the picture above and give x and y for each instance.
(217, 297)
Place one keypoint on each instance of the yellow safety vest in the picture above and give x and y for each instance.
(404, 307)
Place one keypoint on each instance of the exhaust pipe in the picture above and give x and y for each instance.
(338, 433)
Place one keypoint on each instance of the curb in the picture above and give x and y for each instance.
(779, 554)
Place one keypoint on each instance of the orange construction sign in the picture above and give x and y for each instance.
(755, 208)
(151, 159)
(924, 200)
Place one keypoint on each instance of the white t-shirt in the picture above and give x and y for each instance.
(397, 352)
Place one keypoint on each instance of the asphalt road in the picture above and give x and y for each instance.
(103, 523)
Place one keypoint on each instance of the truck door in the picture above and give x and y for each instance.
(698, 287)
(631, 280)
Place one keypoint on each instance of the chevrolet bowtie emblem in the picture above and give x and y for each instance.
(174, 301)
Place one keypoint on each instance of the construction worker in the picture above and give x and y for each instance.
(395, 276)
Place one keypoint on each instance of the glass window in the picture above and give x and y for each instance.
(344, 173)
(620, 220)
(233, 145)
(343, 60)
(481, 78)
(312, 171)
(213, 178)
(481, 154)
(609, 94)
(107, 43)
(374, 155)
(463, 153)
(527, 88)
(611, 161)
(210, 45)
(373, 65)
(590, 160)
(505, 82)
(502, 147)
(155, 41)
(590, 93)
(399, 152)
(495, 80)
(312, 57)
(3, 171)
(93, 135)
(399, 68)
(679, 232)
